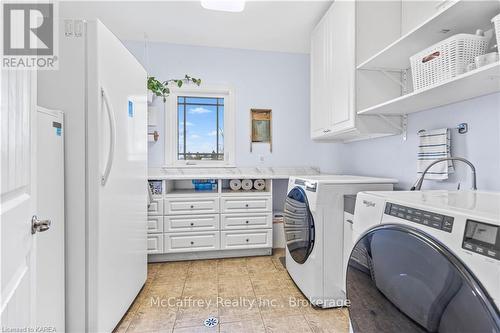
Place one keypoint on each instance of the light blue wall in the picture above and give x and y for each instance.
(393, 157)
(279, 81)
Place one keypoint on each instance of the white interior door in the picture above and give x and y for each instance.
(18, 198)
(50, 253)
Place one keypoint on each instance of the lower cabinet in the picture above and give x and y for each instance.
(155, 243)
(246, 239)
(192, 241)
(180, 224)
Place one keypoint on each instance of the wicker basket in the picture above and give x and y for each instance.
(446, 59)
(496, 23)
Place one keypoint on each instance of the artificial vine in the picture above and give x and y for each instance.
(161, 89)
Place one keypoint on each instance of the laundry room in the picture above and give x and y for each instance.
(250, 166)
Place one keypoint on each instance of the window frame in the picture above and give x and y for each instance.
(171, 126)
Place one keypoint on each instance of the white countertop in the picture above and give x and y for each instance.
(346, 179)
(230, 173)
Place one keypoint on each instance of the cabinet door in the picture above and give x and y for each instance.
(415, 13)
(341, 24)
(320, 112)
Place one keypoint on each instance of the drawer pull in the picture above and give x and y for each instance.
(192, 243)
(246, 205)
(247, 240)
(191, 223)
(247, 222)
(192, 206)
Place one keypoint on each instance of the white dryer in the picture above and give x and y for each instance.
(313, 223)
(426, 261)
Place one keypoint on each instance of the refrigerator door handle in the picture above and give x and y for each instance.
(112, 138)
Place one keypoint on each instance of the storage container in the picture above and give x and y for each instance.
(446, 59)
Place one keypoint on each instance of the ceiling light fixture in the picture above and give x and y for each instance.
(234, 6)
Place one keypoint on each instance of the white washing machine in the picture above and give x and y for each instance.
(426, 261)
(313, 224)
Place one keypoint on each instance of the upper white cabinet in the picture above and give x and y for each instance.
(333, 81)
(415, 12)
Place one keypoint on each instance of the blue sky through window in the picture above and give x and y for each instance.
(201, 123)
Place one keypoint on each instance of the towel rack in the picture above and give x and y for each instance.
(462, 128)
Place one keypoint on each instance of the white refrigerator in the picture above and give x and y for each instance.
(101, 88)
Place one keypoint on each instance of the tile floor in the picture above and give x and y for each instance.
(253, 294)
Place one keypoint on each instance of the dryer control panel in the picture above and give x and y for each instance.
(482, 238)
(430, 219)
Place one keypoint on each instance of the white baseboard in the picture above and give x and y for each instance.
(208, 255)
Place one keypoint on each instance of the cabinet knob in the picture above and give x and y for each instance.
(247, 240)
(192, 206)
(192, 243)
(191, 223)
(246, 205)
(246, 222)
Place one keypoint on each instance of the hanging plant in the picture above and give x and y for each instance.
(161, 89)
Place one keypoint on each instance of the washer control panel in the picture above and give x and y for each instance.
(482, 238)
(430, 219)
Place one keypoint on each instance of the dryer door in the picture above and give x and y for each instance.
(299, 225)
(400, 279)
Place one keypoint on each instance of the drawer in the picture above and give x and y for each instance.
(246, 204)
(155, 243)
(155, 224)
(246, 221)
(156, 207)
(192, 206)
(246, 239)
(179, 223)
(192, 241)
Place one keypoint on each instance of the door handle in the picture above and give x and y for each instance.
(39, 225)
(112, 138)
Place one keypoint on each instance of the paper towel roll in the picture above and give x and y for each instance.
(247, 184)
(259, 184)
(235, 184)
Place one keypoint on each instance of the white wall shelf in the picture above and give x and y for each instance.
(457, 17)
(482, 81)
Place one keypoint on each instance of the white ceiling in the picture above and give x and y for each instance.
(283, 26)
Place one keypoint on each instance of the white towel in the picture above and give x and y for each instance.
(433, 145)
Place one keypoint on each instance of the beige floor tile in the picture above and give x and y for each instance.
(250, 326)
(200, 288)
(195, 310)
(196, 329)
(328, 321)
(267, 286)
(276, 305)
(152, 320)
(235, 286)
(258, 265)
(296, 324)
(172, 289)
(234, 309)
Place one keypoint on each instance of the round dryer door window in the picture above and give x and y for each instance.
(299, 225)
(400, 279)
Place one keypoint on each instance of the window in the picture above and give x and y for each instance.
(201, 132)
(201, 128)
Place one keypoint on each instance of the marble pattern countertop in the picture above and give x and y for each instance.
(230, 173)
